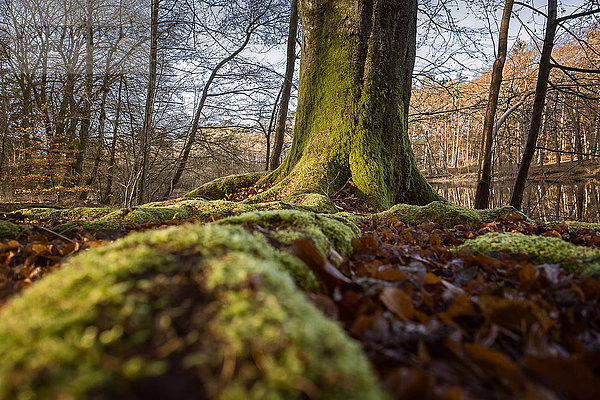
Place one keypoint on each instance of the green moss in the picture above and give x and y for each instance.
(443, 213)
(337, 368)
(209, 303)
(577, 224)
(313, 201)
(540, 249)
(8, 230)
(221, 187)
(326, 230)
(76, 213)
(92, 226)
(142, 215)
(180, 209)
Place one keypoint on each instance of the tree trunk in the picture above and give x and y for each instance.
(113, 148)
(287, 87)
(538, 107)
(4, 127)
(482, 194)
(270, 131)
(145, 150)
(98, 157)
(352, 118)
(86, 112)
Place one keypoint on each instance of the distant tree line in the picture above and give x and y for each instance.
(447, 116)
(118, 101)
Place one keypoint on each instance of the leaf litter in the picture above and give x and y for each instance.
(442, 324)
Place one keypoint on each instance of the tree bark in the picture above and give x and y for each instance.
(482, 195)
(538, 107)
(4, 125)
(145, 150)
(269, 131)
(287, 87)
(352, 118)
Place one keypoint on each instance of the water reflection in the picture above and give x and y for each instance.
(542, 201)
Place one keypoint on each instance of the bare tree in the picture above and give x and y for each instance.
(485, 174)
(146, 135)
(252, 25)
(540, 98)
(286, 88)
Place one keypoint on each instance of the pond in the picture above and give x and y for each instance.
(543, 201)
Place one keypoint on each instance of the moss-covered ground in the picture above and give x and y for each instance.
(443, 213)
(211, 307)
(541, 250)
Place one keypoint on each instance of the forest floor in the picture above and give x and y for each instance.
(564, 172)
(434, 322)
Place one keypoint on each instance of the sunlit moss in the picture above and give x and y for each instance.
(84, 330)
(325, 230)
(540, 249)
(221, 187)
(443, 213)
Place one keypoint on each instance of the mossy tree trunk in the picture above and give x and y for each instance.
(351, 123)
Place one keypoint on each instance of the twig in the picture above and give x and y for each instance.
(52, 232)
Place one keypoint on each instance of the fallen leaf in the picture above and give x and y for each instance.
(398, 302)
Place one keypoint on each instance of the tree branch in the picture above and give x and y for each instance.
(567, 152)
(574, 69)
(581, 14)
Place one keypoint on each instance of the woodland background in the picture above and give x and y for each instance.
(79, 120)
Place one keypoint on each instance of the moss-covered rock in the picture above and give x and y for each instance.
(8, 230)
(540, 249)
(443, 213)
(221, 187)
(201, 309)
(326, 230)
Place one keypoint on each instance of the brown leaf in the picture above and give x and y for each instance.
(410, 383)
(40, 248)
(305, 250)
(324, 304)
(391, 275)
(431, 279)
(435, 240)
(11, 244)
(571, 377)
(495, 361)
(514, 314)
(398, 302)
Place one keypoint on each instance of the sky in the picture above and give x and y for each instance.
(467, 54)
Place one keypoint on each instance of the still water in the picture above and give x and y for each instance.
(542, 201)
